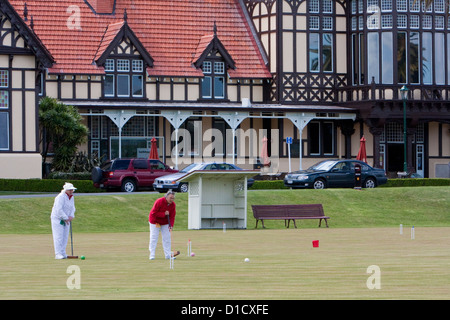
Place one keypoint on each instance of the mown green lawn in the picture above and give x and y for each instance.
(347, 208)
(112, 232)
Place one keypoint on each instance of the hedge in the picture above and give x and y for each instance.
(411, 182)
(407, 182)
(45, 185)
(86, 186)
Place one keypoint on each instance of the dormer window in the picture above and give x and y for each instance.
(213, 84)
(124, 78)
(214, 61)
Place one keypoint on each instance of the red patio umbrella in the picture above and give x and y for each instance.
(264, 154)
(362, 150)
(153, 150)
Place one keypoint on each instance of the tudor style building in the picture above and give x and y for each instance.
(211, 79)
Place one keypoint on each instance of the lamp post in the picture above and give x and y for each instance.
(404, 93)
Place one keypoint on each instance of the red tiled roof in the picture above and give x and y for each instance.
(170, 30)
(110, 33)
(204, 42)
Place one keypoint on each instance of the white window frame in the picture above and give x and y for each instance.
(113, 86)
(109, 65)
(137, 65)
(210, 87)
(128, 85)
(123, 65)
(142, 85)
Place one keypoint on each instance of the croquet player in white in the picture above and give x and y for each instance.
(63, 212)
(162, 208)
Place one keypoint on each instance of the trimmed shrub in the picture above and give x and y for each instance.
(45, 185)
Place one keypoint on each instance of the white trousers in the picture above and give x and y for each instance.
(60, 237)
(166, 240)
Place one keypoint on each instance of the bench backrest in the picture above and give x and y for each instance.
(288, 210)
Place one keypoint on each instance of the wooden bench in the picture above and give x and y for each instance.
(288, 212)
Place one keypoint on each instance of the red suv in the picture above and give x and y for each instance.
(129, 174)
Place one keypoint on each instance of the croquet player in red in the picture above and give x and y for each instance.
(163, 210)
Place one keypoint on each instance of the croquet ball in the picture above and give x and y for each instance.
(246, 259)
(83, 257)
(192, 254)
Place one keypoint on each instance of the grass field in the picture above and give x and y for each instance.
(348, 208)
(283, 265)
(112, 232)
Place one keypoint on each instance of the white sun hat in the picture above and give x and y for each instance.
(69, 186)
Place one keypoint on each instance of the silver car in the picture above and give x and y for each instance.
(164, 183)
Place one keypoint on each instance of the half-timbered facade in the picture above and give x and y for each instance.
(22, 60)
(211, 79)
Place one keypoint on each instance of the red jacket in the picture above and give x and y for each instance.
(158, 212)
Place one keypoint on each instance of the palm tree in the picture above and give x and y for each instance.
(61, 125)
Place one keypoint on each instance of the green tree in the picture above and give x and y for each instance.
(62, 126)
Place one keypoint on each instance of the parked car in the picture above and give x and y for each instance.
(129, 174)
(164, 183)
(335, 173)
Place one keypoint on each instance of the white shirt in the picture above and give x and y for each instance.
(63, 207)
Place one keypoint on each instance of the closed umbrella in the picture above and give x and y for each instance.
(153, 150)
(264, 154)
(362, 156)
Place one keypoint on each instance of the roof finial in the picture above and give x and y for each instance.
(32, 23)
(25, 12)
(215, 28)
(125, 16)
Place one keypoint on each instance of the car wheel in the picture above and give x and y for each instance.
(370, 183)
(97, 175)
(184, 187)
(128, 185)
(319, 184)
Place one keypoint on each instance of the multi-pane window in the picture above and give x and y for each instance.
(138, 65)
(321, 138)
(439, 22)
(386, 21)
(414, 22)
(320, 43)
(327, 6)
(427, 22)
(402, 5)
(109, 65)
(124, 78)
(314, 23)
(4, 110)
(414, 6)
(386, 5)
(314, 6)
(420, 41)
(4, 93)
(123, 65)
(213, 82)
(402, 21)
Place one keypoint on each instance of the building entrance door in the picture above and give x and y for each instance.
(395, 157)
(419, 160)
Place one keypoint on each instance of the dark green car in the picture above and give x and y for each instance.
(335, 174)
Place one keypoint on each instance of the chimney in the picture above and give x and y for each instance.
(102, 6)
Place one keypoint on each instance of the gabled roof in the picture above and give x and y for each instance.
(168, 30)
(35, 45)
(114, 34)
(209, 44)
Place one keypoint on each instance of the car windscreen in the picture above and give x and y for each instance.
(324, 165)
(191, 167)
